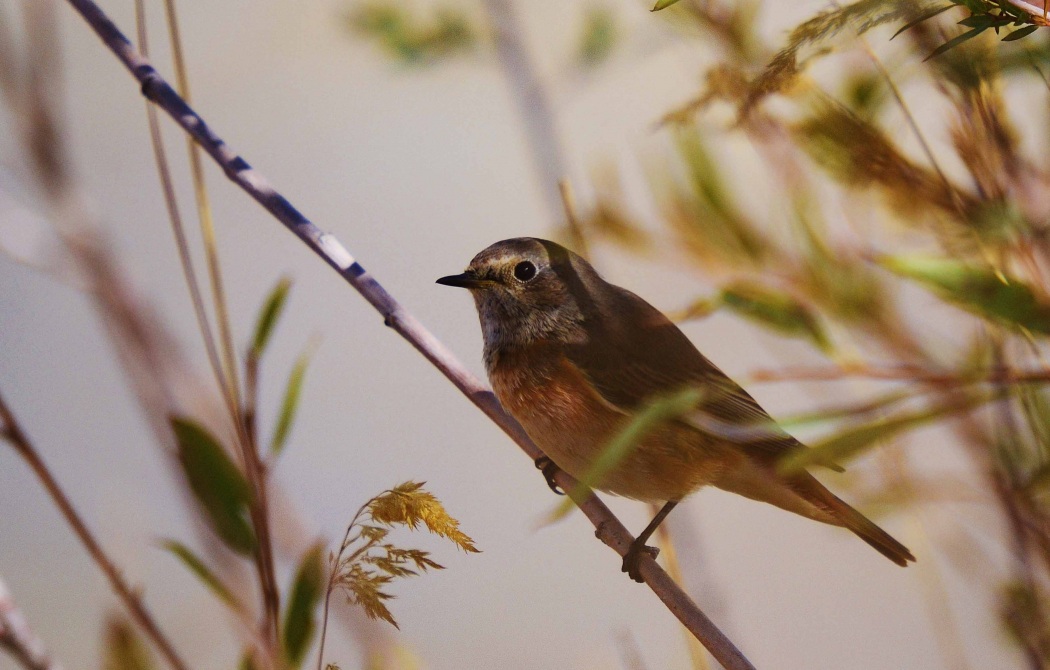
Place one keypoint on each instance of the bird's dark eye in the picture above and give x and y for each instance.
(524, 271)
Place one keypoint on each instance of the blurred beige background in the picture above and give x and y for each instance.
(414, 170)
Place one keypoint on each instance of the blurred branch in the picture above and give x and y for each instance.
(534, 106)
(13, 433)
(608, 528)
(18, 639)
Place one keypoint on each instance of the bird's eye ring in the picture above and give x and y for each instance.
(524, 271)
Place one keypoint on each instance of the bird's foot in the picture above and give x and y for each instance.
(633, 557)
(548, 467)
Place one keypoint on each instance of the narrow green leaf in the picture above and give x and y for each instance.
(955, 41)
(976, 289)
(663, 4)
(979, 21)
(1022, 32)
(852, 441)
(923, 17)
(202, 571)
(659, 410)
(776, 310)
(217, 483)
(290, 404)
(269, 314)
(299, 622)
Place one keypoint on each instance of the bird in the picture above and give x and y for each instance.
(573, 358)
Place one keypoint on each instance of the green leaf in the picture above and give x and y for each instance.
(217, 483)
(202, 571)
(663, 4)
(976, 289)
(269, 314)
(852, 441)
(1022, 32)
(979, 21)
(955, 41)
(290, 404)
(599, 36)
(124, 649)
(776, 310)
(299, 622)
(659, 410)
(923, 17)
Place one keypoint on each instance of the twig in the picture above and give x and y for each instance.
(12, 431)
(903, 373)
(18, 639)
(609, 529)
(572, 218)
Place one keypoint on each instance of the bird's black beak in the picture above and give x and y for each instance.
(466, 280)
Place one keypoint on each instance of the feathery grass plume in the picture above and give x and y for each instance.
(984, 136)
(367, 563)
(702, 211)
(818, 36)
(611, 217)
(777, 310)
(724, 82)
(410, 39)
(858, 153)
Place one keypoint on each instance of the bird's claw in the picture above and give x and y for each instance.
(548, 467)
(633, 557)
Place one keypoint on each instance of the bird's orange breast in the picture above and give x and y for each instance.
(570, 421)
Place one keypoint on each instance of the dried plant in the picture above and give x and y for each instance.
(367, 563)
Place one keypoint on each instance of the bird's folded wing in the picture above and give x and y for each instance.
(633, 368)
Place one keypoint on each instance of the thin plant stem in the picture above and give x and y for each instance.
(608, 528)
(174, 216)
(253, 466)
(18, 639)
(14, 434)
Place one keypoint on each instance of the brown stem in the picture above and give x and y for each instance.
(18, 439)
(609, 529)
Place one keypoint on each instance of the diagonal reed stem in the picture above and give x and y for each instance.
(12, 431)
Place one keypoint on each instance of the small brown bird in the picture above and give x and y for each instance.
(573, 357)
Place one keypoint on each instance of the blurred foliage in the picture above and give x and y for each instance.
(124, 649)
(409, 38)
(599, 37)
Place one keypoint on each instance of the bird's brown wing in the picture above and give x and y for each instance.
(632, 365)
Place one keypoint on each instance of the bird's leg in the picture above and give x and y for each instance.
(548, 467)
(634, 554)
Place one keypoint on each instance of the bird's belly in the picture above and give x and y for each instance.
(572, 424)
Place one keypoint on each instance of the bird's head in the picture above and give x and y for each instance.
(528, 290)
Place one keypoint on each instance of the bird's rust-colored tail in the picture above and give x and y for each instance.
(839, 513)
(863, 527)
